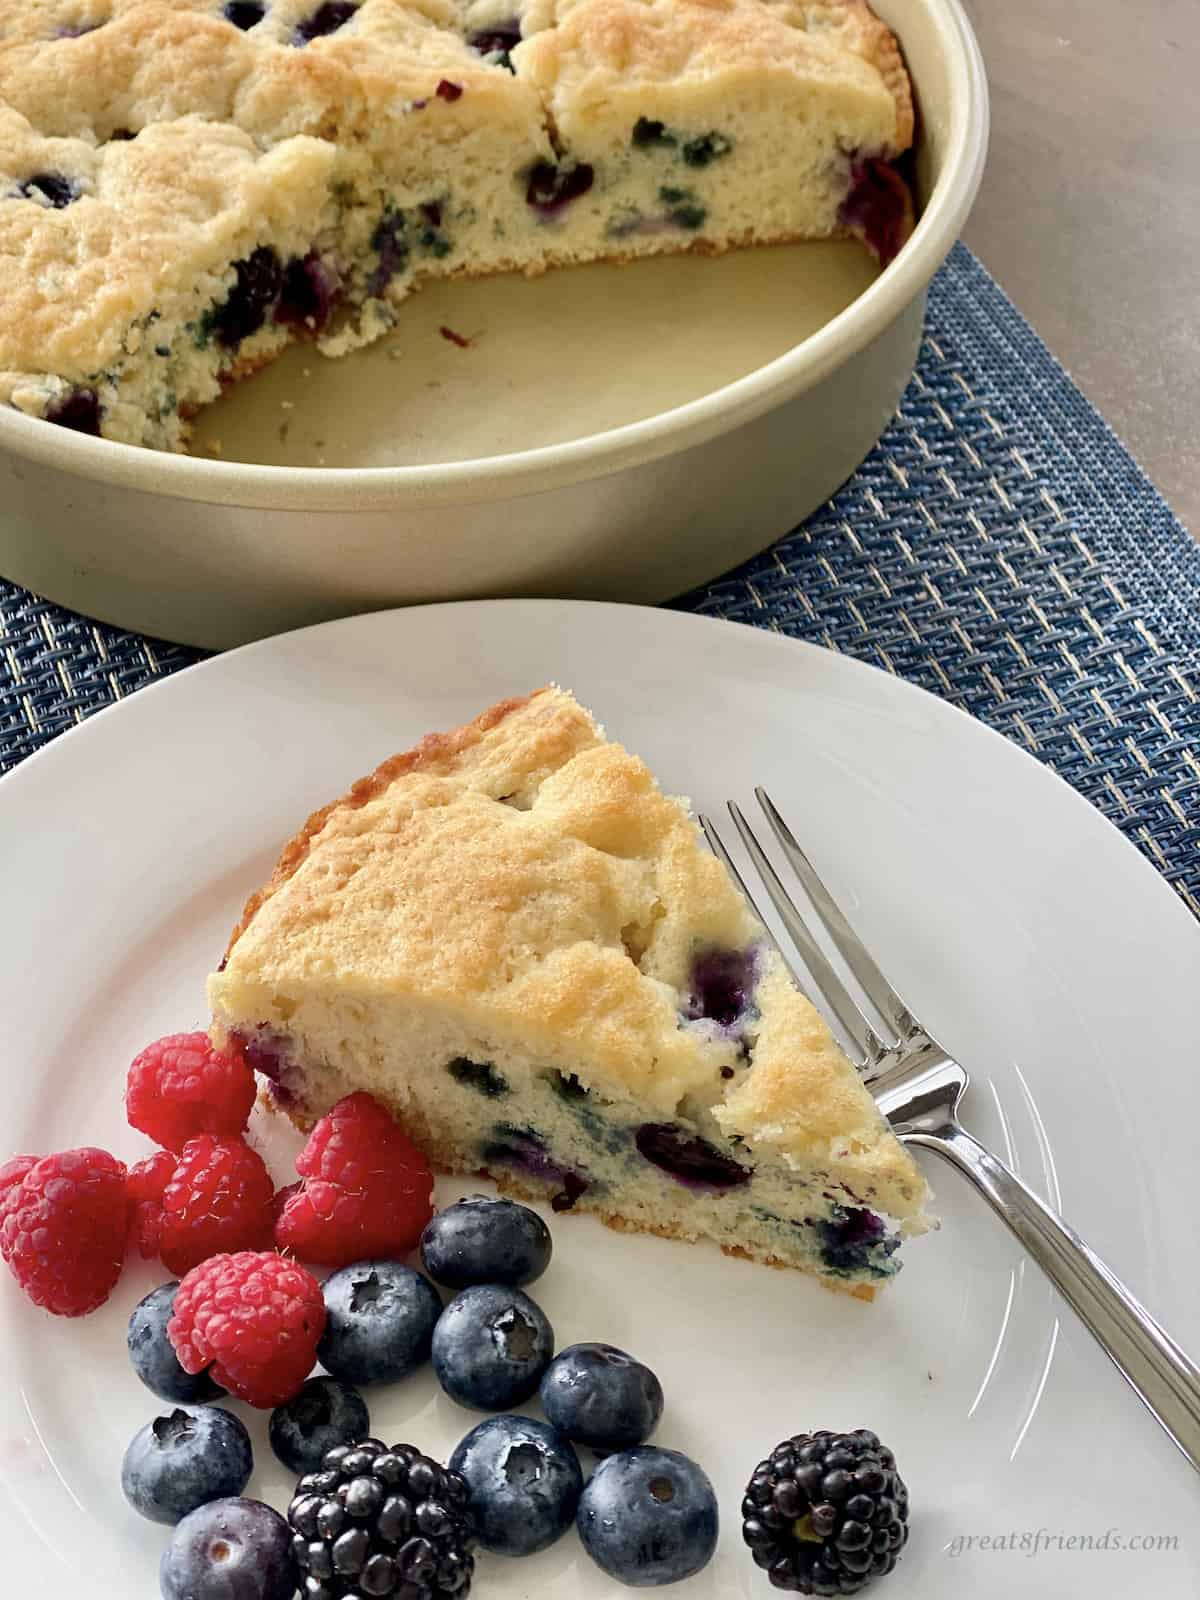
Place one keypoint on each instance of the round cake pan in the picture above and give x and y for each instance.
(619, 433)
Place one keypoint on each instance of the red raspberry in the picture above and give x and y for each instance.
(13, 1171)
(144, 1187)
(62, 1227)
(219, 1197)
(180, 1086)
(367, 1189)
(254, 1319)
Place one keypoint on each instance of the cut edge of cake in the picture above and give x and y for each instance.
(556, 985)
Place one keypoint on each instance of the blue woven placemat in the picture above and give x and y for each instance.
(999, 547)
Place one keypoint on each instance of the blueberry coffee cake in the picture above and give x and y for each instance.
(516, 942)
(188, 185)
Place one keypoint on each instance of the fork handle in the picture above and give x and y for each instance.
(1159, 1372)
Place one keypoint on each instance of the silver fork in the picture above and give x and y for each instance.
(918, 1088)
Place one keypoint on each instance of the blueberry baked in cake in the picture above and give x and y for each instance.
(515, 941)
(188, 185)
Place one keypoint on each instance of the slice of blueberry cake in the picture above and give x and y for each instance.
(517, 943)
(188, 185)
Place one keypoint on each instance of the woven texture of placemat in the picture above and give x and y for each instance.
(999, 547)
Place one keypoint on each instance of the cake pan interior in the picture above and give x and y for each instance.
(541, 361)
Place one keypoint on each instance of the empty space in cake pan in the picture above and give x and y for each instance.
(572, 353)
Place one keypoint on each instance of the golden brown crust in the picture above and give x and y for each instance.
(584, 54)
(434, 750)
(876, 43)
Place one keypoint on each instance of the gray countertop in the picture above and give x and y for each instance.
(1089, 214)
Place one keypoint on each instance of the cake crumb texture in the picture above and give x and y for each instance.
(511, 937)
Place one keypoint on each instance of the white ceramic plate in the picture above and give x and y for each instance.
(1035, 939)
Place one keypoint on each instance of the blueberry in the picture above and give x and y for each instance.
(648, 133)
(648, 1516)
(491, 1346)
(689, 1158)
(548, 189)
(244, 14)
(53, 189)
(390, 241)
(254, 294)
(877, 207)
(707, 148)
(230, 1550)
(482, 1240)
(379, 1322)
(325, 1413)
(599, 1396)
(526, 1150)
(524, 1480)
(856, 1240)
(79, 409)
(722, 981)
(183, 1459)
(478, 1075)
(310, 291)
(497, 40)
(154, 1359)
(326, 19)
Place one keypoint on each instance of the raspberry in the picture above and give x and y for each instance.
(254, 1320)
(219, 1198)
(13, 1171)
(144, 1189)
(366, 1192)
(180, 1086)
(62, 1227)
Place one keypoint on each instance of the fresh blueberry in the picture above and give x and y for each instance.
(153, 1356)
(491, 1346)
(484, 1240)
(379, 1321)
(325, 1413)
(230, 1550)
(184, 1459)
(524, 1480)
(599, 1396)
(648, 1516)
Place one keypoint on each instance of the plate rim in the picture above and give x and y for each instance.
(1151, 879)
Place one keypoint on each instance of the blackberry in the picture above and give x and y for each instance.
(380, 1521)
(826, 1512)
